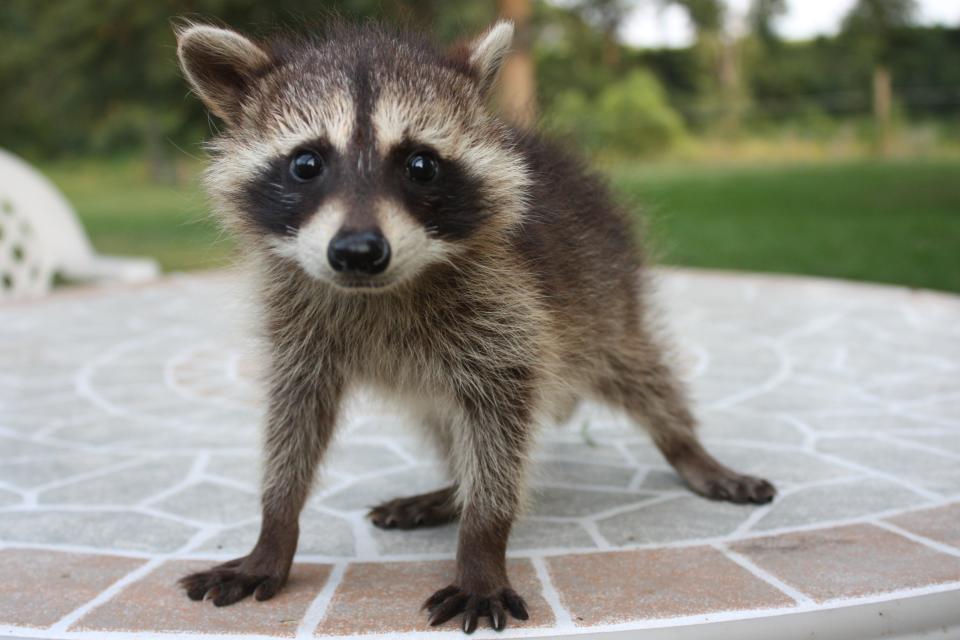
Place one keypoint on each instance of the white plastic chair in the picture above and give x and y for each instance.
(41, 236)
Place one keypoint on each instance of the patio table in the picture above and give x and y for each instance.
(129, 425)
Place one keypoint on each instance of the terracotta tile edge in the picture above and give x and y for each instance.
(758, 572)
(930, 543)
(317, 609)
(561, 615)
(72, 619)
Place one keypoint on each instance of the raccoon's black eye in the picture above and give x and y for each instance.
(422, 167)
(306, 165)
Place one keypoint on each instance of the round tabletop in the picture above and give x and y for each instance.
(129, 426)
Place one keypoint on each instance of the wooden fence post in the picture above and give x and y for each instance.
(518, 92)
(882, 108)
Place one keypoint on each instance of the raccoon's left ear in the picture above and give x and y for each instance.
(486, 54)
(220, 65)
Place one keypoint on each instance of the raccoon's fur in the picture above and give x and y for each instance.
(408, 239)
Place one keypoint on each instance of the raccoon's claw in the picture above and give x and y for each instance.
(228, 583)
(452, 600)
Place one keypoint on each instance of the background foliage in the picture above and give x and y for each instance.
(99, 76)
(92, 93)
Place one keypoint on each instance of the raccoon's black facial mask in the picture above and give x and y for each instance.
(290, 188)
(441, 194)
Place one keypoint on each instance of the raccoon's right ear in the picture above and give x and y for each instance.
(486, 54)
(219, 64)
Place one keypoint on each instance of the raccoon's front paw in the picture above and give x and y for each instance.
(233, 581)
(452, 600)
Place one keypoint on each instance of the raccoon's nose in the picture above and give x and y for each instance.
(365, 252)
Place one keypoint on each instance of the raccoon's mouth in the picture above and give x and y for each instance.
(361, 284)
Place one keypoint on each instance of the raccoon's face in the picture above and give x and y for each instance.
(365, 158)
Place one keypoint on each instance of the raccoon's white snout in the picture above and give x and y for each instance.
(329, 248)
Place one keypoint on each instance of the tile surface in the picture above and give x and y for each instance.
(129, 426)
(41, 587)
(155, 603)
(846, 562)
(941, 524)
(386, 597)
(666, 583)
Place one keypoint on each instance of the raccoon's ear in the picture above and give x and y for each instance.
(487, 53)
(219, 64)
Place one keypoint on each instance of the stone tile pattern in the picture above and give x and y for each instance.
(152, 605)
(611, 587)
(129, 434)
(850, 561)
(385, 597)
(40, 587)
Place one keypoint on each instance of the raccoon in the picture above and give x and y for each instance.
(404, 237)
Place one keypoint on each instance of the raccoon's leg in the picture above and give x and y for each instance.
(647, 389)
(489, 460)
(300, 422)
(425, 510)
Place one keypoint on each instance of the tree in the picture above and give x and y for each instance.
(869, 28)
(518, 88)
(762, 15)
(719, 57)
(101, 75)
(607, 15)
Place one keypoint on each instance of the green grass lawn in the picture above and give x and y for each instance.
(127, 214)
(895, 221)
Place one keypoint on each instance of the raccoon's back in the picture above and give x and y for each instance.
(577, 242)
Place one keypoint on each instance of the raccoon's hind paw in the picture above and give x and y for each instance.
(426, 510)
(228, 583)
(452, 600)
(730, 486)
(711, 479)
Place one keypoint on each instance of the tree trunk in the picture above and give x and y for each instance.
(731, 90)
(160, 163)
(882, 108)
(611, 49)
(518, 92)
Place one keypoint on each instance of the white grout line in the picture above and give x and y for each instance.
(910, 444)
(118, 586)
(561, 616)
(785, 363)
(927, 542)
(92, 475)
(362, 534)
(318, 608)
(519, 553)
(594, 532)
(761, 573)
(193, 476)
(843, 462)
(64, 623)
(365, 545)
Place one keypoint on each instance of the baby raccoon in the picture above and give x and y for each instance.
(409, 240)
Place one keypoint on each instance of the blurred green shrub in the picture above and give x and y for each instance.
(629, 117)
